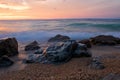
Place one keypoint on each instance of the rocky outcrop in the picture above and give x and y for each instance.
(112, 76)
(60, 52)
(65, 51)
(59, 38)
(105, 40)
(5, 62)
(32, 46)
(96, 64)
(8, 47)
(87, 42)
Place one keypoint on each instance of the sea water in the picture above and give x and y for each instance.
(42, 30)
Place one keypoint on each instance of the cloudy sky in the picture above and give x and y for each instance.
(47, 9)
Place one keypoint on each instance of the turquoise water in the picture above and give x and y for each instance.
(42, 30)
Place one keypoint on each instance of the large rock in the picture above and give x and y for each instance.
(5, 62)
(105, 40)
(112, 76)
(32, 46)
(65, 51)
(59, 53)
(59, 38)
(8, 47)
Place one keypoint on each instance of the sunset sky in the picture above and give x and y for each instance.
(51, 9)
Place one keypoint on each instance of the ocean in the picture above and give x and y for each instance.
(42, 30)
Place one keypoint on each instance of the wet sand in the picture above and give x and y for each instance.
(76, 69)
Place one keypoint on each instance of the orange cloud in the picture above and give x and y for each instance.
(12, 7)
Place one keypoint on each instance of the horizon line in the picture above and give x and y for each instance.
(58, 18)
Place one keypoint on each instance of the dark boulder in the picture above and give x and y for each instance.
(59, 38)
(8, 47)
(105, 40)
(5, 62)
(32, 46)
(87, 42)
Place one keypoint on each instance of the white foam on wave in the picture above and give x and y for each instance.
(45, 35)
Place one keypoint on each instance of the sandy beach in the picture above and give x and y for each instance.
(75, 69)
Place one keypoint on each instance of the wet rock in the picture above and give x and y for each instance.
(112, 76)
(59, 38)
(105, 40)
(66, 51)
(8, 47)
(5, 61)
(87, 42)
(32, 46)
(96, 64)
(58, 53)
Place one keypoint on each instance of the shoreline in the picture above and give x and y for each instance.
(97, 51)
(76, 68)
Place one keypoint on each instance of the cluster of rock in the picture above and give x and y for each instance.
(62, 52)
(98, 40)
(65, 49)
(8, 47)
(105, 40)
